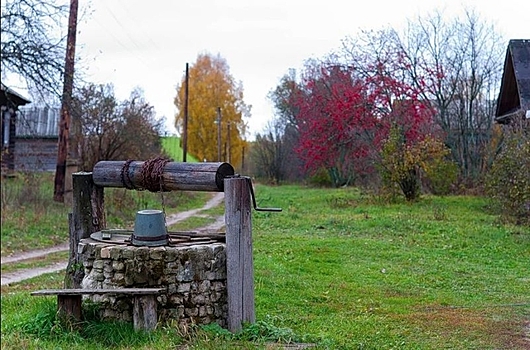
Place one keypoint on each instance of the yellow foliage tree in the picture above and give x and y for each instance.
(211, 86)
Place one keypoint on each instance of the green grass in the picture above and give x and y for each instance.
(30, 217)
(171, 145)
(32, 220)
(440, 273)
(344, 271)
(122, 204)
(31, 323)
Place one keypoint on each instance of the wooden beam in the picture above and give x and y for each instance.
(239, 261)
(176, 175)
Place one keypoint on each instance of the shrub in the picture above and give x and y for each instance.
(508, 182)
(402, 162)
(321, 178)
(440, 176)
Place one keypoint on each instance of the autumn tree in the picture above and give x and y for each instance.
(467, 54)
(283, 97)
(211, 86)
(349, 113)
(114, 130)
(335, 124)
(455, 63)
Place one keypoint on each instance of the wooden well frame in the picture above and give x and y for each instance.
(88, 216)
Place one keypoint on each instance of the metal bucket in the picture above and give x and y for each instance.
(150, 229)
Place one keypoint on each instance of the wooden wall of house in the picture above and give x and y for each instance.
(35, 154)
(8, 149)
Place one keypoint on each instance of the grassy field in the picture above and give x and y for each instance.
(343, 271)
(441, 273)
(32, 220)
(171, 145)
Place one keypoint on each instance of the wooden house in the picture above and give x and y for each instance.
(10, 101)
(513, 104)
(36, 138)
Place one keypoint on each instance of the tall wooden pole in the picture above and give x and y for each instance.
(218, 134)
(185, 131)
(66, 104)
(228, 158)
(243, 160)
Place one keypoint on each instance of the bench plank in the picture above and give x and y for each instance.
(130, 291)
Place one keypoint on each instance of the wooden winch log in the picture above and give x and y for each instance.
(208, 176)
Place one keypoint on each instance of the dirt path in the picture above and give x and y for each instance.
(23, 274)
(216, 200)
(32, 254)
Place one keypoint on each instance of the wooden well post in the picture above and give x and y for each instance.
(87, 217)
(239, 261)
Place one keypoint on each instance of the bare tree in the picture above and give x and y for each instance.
(269, 152)
(113, 130)
(461, 61)
(456, 63)
(274, 153)
(33, 42)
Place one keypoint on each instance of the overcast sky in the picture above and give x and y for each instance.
(146, 44)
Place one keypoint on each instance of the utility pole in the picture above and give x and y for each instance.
(218, 134)
(66, 104)
(243, 160)
(228, 143)
(185, 131)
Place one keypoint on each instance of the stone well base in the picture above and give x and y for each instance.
(194, 277)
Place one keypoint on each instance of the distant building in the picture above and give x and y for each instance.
(513, 104)
(36, 138)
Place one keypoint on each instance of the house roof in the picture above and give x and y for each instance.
(11, 98)
(38, 122)
(515, 85)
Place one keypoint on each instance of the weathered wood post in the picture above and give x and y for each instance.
(87, 217)
(239, 262)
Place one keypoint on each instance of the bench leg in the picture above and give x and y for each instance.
(144, 312)
(69, 306)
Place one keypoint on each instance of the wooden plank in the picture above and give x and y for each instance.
(239, 262)
(144, 312)
(206, 176)
(79, 291)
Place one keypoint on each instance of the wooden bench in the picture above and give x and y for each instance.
(144, 303)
